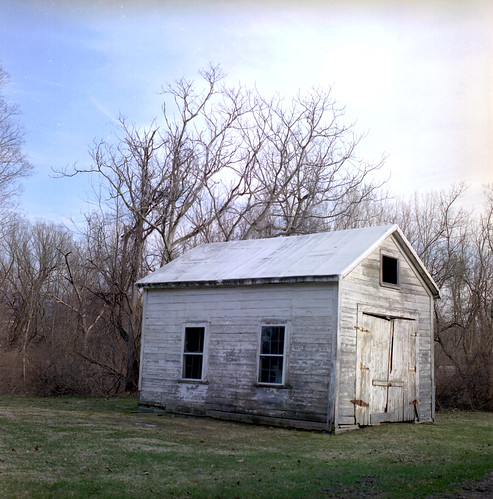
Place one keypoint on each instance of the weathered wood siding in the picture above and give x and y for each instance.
(361, 291)
(234, 317)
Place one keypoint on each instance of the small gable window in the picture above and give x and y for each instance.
(389, 271)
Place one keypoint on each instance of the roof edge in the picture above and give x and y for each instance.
(238, 282)
(435, 290)
(408, 249)
(391, 229)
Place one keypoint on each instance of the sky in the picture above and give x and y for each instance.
(416, 77)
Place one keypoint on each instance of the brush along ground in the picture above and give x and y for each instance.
(72, 447)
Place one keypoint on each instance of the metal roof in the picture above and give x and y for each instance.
(323, 256)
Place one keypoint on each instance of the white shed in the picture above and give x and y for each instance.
(327, 331)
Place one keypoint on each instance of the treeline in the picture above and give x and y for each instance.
(222, 163)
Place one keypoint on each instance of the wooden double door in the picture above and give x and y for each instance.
(386, 369)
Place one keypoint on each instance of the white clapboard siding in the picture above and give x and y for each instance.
(234, 317)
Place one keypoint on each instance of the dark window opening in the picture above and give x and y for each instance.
(193, 352)
(271, 362)
(390, 270)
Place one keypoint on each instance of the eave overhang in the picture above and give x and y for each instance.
(239, 282)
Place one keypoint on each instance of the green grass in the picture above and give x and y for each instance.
(75, 447)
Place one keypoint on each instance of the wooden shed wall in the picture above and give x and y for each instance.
(234, 317)
(361, 289)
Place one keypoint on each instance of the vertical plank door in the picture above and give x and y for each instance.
(385, 370)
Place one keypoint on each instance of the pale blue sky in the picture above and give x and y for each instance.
(417, 75)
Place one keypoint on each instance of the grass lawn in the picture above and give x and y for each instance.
(76, 447)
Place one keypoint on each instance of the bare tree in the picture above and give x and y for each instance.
(152, 180)
(221, 163)
(13, 163)
(157, 178)
(228, 163)
(58, 300)
(464, 333)
(456, 247)
(110, 257)
(308, 173)
(300, 170)
(30, 269)
(97, 277)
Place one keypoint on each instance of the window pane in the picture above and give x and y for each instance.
(194, 339)
(271, 369)
(272, 340)
(390, 270)
(193, 350)
(192, 366)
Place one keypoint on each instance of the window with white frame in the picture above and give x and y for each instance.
(193, 352)
(272, 354)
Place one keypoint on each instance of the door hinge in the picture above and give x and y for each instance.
(362, 329)
(361, 403)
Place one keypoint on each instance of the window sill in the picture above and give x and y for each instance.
(193, 381)
(270, 385)
(390, 285)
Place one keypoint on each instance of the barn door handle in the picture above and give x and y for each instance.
(385, 383)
